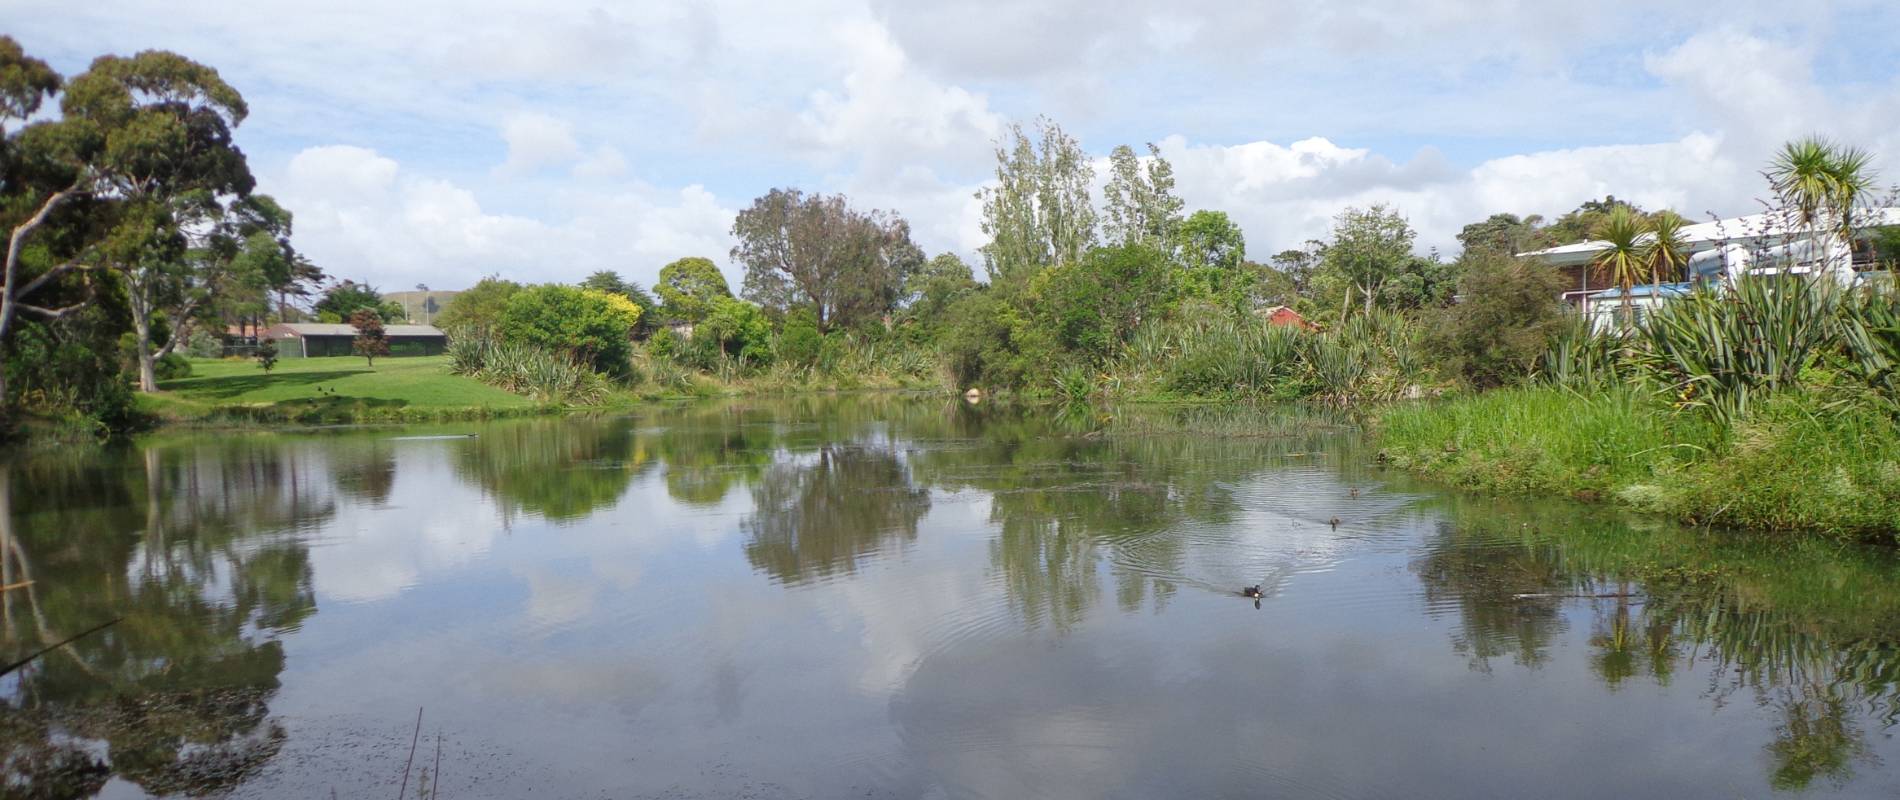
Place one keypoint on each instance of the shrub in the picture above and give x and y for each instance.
(267, 355)
(203, 345)
(1723, 349)
(1502, 324)
(799, 341)
(593, 327)
(479, 308)
(171, 367)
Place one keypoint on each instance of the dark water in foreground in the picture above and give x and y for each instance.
(877, 597)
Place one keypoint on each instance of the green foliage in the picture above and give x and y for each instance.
(932, 289)
(1220, 356)
(799, 341)
(1793, 464)
(1140, 203)
(478, 309)
(1369, 248)
(1724, 349)
(266, 355)
(348, 297)
(1500, 329)
(1213, 261)
(1090, 307)
(689, 288)
(1624, 260)
(592, 327)
(172, 366)
(544, 374)
(1040, 212)
(815, 251)
(1503, 235)
(1870, 333)
(737, 329)
(1581, 358)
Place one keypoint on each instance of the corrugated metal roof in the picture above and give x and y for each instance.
(334, 329)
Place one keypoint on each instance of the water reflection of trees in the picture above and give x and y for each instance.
(818, 516)
(1801, 627)
(560, 470)
(1069, 496)
(193, 548)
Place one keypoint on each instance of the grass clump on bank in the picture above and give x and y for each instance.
(1792, 464)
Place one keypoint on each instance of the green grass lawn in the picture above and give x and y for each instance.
(331, 387)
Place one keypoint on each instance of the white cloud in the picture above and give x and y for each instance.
(631, 130)
(359, 215)
(536, 141)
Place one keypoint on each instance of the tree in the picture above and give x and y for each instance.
(1213, 253)
(346, 298)
(1040, 212)
(1507, 234)
(609, 281)
(1822, 184)
(477, 311)
(42, 177)
(370, 340)
(1622, 260)
(1369, 247)
(594, 327)
(267, 355)
(1666, 253)
(170, 160)
(688, 287)
(1502, 324)
(1141, 206)
(1298, 266)
(817, 252)
(1090, 307)
(929, 291)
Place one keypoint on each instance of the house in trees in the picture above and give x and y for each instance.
(1283, 317)
(316, 339)
(1756, 244)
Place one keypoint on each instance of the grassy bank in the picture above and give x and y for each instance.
(1793, 464)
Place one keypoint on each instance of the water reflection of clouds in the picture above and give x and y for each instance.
(430, 521)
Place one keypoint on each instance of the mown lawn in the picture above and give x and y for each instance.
(420, 382)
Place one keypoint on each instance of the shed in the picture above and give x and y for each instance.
(314, 339)
(1281, 316)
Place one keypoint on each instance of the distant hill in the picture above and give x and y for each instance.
(422, 307)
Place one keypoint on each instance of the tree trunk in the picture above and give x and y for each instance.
(142, 324)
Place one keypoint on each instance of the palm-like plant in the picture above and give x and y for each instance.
(1803, 175)
(1822, 183)
(1666, 252)
(1622, 262)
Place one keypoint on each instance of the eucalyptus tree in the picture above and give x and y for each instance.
(1623, 259)
(1040, 211)
(1140, 204)
(817, 252)
(167, 156)
(42, 177)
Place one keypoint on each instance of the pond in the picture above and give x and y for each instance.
(875, 596)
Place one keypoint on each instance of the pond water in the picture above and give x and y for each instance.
(885, 597)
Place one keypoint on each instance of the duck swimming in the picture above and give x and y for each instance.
(1252, 591)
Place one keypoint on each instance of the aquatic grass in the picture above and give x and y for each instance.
(1543, 439)
(1796, 463)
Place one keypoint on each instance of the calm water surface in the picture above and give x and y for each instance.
(880, 597)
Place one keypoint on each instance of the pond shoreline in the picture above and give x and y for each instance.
(1795, 467)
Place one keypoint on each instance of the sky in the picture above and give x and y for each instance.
(439, 141)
